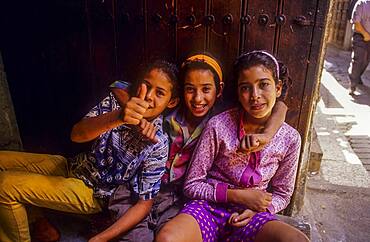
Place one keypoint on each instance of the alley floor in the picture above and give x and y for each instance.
(337, 201)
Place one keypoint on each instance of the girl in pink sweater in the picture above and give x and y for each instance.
(228, 186)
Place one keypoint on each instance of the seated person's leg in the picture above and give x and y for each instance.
(167, 204)
(183, 227)
(167, 216)
(119, 203)
(192, 224)
(38, 163)
(280, 232)
(19, 188)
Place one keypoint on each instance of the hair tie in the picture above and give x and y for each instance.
(208, 60)
(271, 56)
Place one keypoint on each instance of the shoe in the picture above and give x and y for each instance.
(44, 231)
(352, 91)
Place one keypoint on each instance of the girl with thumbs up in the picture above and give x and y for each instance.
(84, 184)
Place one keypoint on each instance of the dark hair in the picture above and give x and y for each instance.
(168, 68)
(251, 59)
(191, 65)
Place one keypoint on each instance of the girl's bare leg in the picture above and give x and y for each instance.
(280, 232)
(181, 228)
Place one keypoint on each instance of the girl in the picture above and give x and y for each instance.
(119, 155)
(228, 185)
(202, 83)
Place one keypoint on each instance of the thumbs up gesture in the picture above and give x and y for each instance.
(134, 111)
(135, 107)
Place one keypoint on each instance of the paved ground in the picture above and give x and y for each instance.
(337, 64)
(337, 201)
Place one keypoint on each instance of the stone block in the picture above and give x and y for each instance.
(363, 155)
(360, 145)
(365, 150)
(315, 154)
(9, 134)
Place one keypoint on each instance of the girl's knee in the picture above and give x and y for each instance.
(165, 235)
(281, 232)
(182, 228)
(294, 235)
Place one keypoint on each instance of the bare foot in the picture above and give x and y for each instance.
(44, 231)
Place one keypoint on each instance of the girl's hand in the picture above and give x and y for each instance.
(240, 220)
(135, 108)
(254, 199)
(253, 142)
(148, 130)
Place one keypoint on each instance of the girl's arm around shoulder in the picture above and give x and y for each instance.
(256, 142)
(120, 90)
(276, 119)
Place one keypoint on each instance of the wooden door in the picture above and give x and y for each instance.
(102, 43)
(224, 34)
(295, 34)
(260, 32)
(130, 23)
(161, 20)
(191, 26)
(77, 47)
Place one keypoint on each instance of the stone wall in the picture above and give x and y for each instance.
(9, 134)
(340, 28)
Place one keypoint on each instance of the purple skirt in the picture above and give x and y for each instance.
(213, 219)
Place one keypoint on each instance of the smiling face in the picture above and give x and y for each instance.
(199, 92)
(257, 92)
(159, 93)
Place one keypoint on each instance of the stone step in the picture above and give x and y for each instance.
(360, 145)
(359, 137)
(361, 150)
(315, 153)
(367, 167)
(360, 141)
(365, 161)
(363, 155)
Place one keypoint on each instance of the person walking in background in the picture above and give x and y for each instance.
(360, 43)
